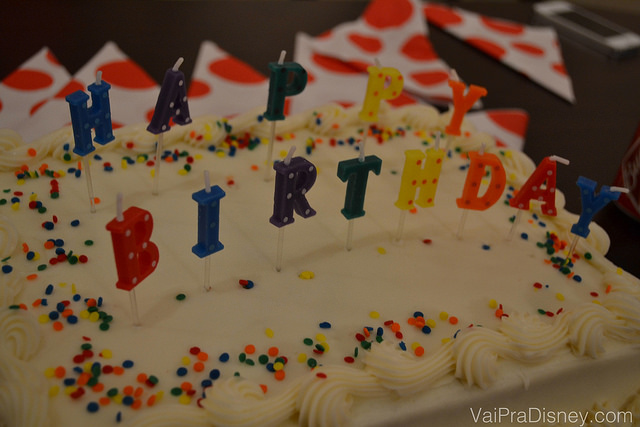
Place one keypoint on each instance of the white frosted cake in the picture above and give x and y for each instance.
(447, 325)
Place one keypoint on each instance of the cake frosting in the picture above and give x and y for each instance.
(433, 326)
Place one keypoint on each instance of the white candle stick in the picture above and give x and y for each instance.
(267, 172)
(87, 174)
(156, 169)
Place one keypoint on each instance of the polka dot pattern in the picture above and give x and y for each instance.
(532, 51)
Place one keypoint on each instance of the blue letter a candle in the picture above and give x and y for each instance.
(293, 181)
(172, 102)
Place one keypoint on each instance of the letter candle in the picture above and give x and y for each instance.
(356, 173)
(287, 79)
(416, 177)
(591, 204)
(461, 102)
(208, 200)
(83, 119)
(171, 104)
(479, 162)
(294, 177)
(540, 186)
(136, 256)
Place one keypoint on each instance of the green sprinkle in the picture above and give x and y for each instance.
(587, 255)
(88, 242)
(242, 357)
(104, 326)
(263, 359)
(42, 267)
(308, 341)
(181, 297)
(541, 311)
(312, 363)
(176, 391)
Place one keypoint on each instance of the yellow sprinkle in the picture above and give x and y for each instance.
(117, 398)
(182, 172)
(415, 345)
(84, 314)
(283, 153)
(220, 153)
(198, 157)
(512, 177)
(21, 181)
(54, 391)
(49, 372)
(559, 297)
(269, 332)
(595, 301)
(278, 366)
(33, 197)
(507, 154)
(264, 141)
(62, 173)
(68, 390)
(159, 395)
(73, 289)
(493, 303)
(94, 317)
(444, 315)
(374, 315)
(15, 206)
(445, 340)
(152, 172)
(321, 337)
(140, 159)
(619, 271)
(186, 361)
(431, 323)
(184, 399)
(302, 358)
(43, 318)
(381, 250)
(106, 353)
(123, 164)
(306, 275)
(208, 136)
(87, 366)
(325, 346)
(62, 284)
(36, 256)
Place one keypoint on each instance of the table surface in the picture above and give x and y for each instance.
(594, 133)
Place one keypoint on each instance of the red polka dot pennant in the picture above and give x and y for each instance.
(532, 51)
(224, 85)
(394, 32)
(27, 89)
(508, 127)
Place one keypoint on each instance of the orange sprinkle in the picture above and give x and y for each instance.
(168, 159)
(204, 356)
(273, 351)
(419, 351)
(198, 366)
(186, 386)
(32, 152)
(138, 392)
(547, 261)
(250, 349)
(67, 312)
(136, 404)
(104, 401)
(91, 302)
(366, 332)
(608, 289)
(22, 306)
(499, 313)
(192, 134)
(264, 388)
(25, 248)
(453, 320)
(60, 372)
(151, 400)
(411, 321)
(279, 375)
(118, 370)
(83, 379)
(49, 244)
(128, 390)
(413, 210)
(57, 325)
(395, 327)
(33, 276)
(37, 302)
(97, 200)
(98, 388)
(142, 378)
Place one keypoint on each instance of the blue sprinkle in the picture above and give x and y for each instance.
(119, 417)
(206, 383)
(224, 357)
(44, 302)
(78, 370)
(127, 364)
(72, 319)
(48, 225)
(426, 330)
(58, 242)
(15, 200)
(93, 407)
(97, 157)
(542, 224)
(66, 147)
(535, 216)
(318, 121)
(418, 314)
(99, 303)
(69, 381)
(524, 236)
(379, 332)
(270, 367)
(577, 278)
(54, 315)
(77, 173)
(77, 297)
(75, 223)
(60, 307)
(486, 247)
(6, 269)
(214, 374)
(127, 400)
(49, 289)
(325, 325)
(182, 371)
(403, 346)
(60, 251)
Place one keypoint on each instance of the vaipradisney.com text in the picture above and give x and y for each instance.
(542, 415)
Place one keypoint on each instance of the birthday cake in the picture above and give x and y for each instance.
(436, 315)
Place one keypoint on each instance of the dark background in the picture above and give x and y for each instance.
(593, 134)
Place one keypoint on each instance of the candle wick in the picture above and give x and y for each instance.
(178, 63)
(282, 55)
(99, 78)
(361, 157)
(207, 182)
(287, 160)
(482, 149)
(559, 159)
(438, 140)
(119, 215)
(619, 189)
(377, 62)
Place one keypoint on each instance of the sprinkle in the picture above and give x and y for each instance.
(381, 250)
(306, 275)
(269, 332)
(180, 297)
(325, 325)
(374, 315)
(250, 349)
(559, 297)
